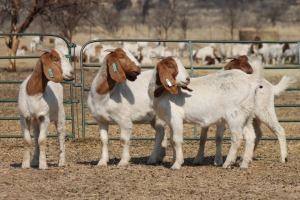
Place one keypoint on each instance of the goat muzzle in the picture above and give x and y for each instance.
(133, 75)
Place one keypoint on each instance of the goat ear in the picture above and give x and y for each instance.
(166, 78)
(51, 70)
(115, 70)
(159, 91)
(245, 67)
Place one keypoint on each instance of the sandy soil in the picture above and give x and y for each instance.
(266, 178)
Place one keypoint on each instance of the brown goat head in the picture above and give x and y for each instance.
(48, 68)
(51, 65)
(167, 71)
(239, 63)
(120, 65)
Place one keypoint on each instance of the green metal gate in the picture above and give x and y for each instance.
(192, 68)
(68, 87)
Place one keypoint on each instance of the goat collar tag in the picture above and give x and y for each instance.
(169, 82)
(114, 67)
(50, 73)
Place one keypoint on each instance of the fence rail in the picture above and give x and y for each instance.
(85, 89)
(191, 67)
(69, 84)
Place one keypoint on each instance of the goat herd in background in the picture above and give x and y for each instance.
(209, 54)
(237, 95)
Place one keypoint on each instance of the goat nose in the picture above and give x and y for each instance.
(188, 79)
(72, 75)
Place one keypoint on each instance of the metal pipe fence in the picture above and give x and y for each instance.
(69, 84)
(85, 89)
(192, 68)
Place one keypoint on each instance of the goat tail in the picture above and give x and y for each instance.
(283, 84)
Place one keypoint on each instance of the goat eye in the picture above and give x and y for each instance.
(121, 57)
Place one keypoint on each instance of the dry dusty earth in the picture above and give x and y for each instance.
(266, 178)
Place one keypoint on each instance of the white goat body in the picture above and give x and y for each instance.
(41, 102)
(158, 51)
(146, 54)
(264, 112)
(22, 51)
(276, 54)
(126, 103)
(92, 51)
(207, 51)
(262, 50)
(35, 43)
(225, 95)
(126, 99)
(131, 47)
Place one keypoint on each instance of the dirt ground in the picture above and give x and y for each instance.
(266, 177)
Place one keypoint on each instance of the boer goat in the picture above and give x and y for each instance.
(115, 98)
(264, 112)
(41, 102)
(225, 95)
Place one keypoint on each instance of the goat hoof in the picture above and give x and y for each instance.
(176, 167)
(43, 166)
(102, 163)
(244, 167)
(25, 166)
(61, 164)
(226, 166)
(123, 163)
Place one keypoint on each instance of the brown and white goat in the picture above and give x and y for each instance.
(119, 95)
(41, 102)
(212, 99)
(240, 62)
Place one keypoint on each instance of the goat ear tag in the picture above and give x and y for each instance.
(169, 83)
(50, 73)
(114, 67)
